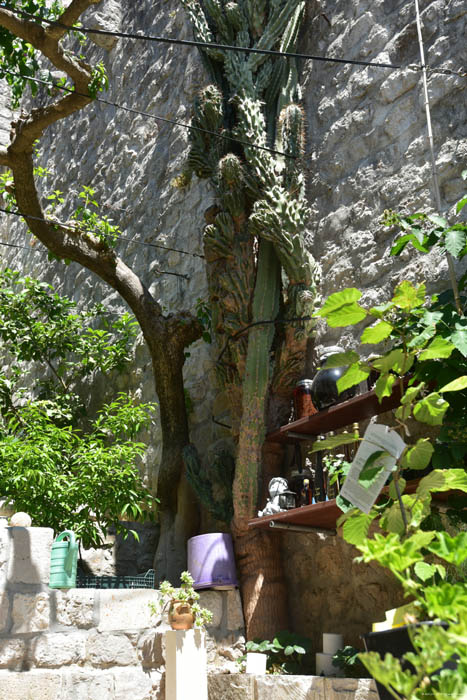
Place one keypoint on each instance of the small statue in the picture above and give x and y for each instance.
(277, 485)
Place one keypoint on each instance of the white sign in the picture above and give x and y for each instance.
(376, 438)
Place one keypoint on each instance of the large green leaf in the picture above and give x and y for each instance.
(438, 220)
(442, 480)
(342, 359)
(375, 334)
(424, 571)
(418, 456)
(408, 297)
(456, 385)
(334, 441)
(339, 299)
(356, 527)
(437, 349)
(354, 375)
(384, 385)
(459, 338)
(451, 549)
(431, 409)
(454, 241)
(347, 315)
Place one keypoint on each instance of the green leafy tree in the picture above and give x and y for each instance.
(422, 336)
(32, 47)
(64, 469)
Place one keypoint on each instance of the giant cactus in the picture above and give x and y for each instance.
(256, 230)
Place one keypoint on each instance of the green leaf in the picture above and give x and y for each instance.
(451, 549)
(395, 360)
(424, 571)
(344, 505)
(354, 375)
(437, 349)
(459, 338)
(370, 469)
(392, 488)
(456, 385)
(289, 650)
(384, 385)
(418, 456)
(409, 297)
(442, 480)
(356, 527)
(431, 409)
(342, 359)
(334, 441)
(375, 334)
(347, 315)
(339, 299)
(438, 220)
(454, 242)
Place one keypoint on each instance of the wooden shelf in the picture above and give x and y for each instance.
(343, 414)
(324, 515)
(320, 515)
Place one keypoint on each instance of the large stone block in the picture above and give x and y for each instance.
(136, 684)
(4, 610)
(104, 650)
(290, 688)
(350, 689)
(55, 650)
(125, 609)
(30, 612)
(13, 654)
(87, 685)
(238, 686)
(76, 607)
(150, 649)
(213, 601)
(235, 619)
(29, 556)
(33, 685)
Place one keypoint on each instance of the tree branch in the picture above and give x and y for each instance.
(72, 13)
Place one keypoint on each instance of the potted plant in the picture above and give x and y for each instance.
(286, 654)
(425, 357)
(182, 604)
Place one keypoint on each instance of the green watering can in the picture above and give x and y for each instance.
(63, 561)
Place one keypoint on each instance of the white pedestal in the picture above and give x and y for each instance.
(186, 665)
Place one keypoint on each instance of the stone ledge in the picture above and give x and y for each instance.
(241, 686)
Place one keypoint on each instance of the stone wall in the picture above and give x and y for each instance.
(91, 644)
(367, 151)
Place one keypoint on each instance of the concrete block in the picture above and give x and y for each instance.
(350, 689)
(212, 600)
(75, 607)
(34, 685)
(29, 556)
(125, 609)
(13, 654)
(235, 619)
(104, 650)
(30, 612)
(186, 665)
(233, 686)
(61, 649)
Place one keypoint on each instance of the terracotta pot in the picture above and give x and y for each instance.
(180, 615)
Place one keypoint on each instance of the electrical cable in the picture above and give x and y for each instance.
(227, 47)
(195, 43)
(75, 230)
(153, 116)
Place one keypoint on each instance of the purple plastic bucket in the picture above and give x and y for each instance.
(211, 561)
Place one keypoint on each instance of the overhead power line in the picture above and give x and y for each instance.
(195, 43)
(75, 230)
(57, 86)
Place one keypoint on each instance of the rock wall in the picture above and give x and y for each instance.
(86, 643)
(367, 151)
